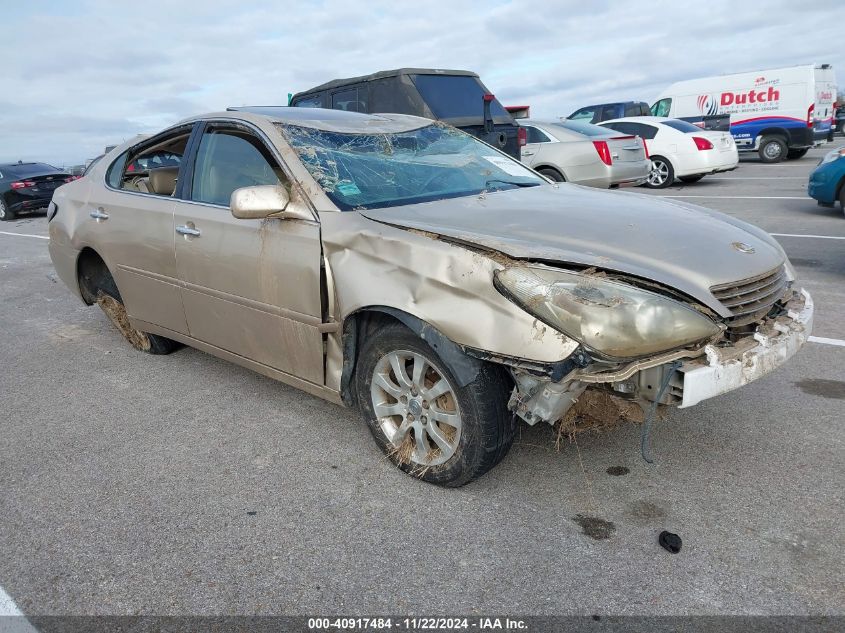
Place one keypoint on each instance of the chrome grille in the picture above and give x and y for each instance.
(749, 300)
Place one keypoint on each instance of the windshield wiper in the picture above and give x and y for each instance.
(509, 182)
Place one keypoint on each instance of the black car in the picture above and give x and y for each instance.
(455, 96)
(28, 187)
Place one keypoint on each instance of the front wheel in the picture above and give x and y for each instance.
(773, 149)
(6, 214)
(662, 173)
(422, 419)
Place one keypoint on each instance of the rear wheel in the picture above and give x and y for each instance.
(773, 149)
(662, 173)
(691, 179)
(99, 286)
(842, 196)
(797, 153)
(423, 420)
(552, 174)
(6, 213)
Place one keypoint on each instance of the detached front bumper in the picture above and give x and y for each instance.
(724, 369)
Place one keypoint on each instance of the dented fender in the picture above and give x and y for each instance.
(443, 284)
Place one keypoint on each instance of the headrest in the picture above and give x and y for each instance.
(163, 180)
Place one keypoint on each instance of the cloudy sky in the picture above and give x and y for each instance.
(78, 75)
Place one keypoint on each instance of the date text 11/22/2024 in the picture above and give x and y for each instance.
(417, 624)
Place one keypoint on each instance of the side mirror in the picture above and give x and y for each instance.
(263, 201)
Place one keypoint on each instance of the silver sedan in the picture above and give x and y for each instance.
(585, 154)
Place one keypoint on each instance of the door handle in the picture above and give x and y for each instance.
(187, 230)
(99, 214)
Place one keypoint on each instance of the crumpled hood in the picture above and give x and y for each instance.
(679, 245)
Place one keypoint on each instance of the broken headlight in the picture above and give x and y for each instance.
(609, 317)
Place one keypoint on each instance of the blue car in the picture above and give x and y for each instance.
(827, 181)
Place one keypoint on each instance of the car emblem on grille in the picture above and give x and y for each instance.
(742, 247)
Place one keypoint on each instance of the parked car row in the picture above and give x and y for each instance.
(779, 113)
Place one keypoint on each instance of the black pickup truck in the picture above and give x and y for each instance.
(455, 96)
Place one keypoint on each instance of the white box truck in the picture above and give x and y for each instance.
(779, 113)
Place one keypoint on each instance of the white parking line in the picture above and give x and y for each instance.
(38, 237)
(12, 619)
(826, 341)
(741, 197)
(818, 237)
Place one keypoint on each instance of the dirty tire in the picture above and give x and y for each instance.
(486, 428)
(793, 154)
(842, 196)
(662, 173)
(773, 149)
(552, 174)
(6, 214)
(142, 341)
(691, 179)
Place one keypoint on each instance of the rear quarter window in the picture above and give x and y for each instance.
(309, 102)
(682, 126)
(455, 96)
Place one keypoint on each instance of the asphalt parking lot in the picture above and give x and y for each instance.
(134, 484)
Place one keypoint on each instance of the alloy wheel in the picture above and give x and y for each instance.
(416, 408)
(659, 173)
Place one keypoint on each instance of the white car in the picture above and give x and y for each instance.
(679, 149)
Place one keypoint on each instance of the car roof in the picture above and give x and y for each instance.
(383, 74)
(321, 119)
(640, 119)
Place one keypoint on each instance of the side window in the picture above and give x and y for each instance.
(228, 160)
(309, 102)
(114, 177)
(151, 167)
(352, 100)
(583, 114)
(607, 112)
(645, 131)
(662, 107)
(634, 109)
(533, 135)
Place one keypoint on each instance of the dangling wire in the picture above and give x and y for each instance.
(652, 410)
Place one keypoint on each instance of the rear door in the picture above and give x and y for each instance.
(131, 226)
(535, 138)
(250, 287)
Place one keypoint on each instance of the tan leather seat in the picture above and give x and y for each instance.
(163, 180)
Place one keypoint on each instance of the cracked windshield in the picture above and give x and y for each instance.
(371, 171)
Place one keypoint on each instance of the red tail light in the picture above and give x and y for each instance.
(22, 184)
(645, 147)
(488, 97)
(810, 112)
(604, 152)
(702, 143)
(521, 137)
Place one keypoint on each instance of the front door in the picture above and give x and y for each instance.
(250, 287)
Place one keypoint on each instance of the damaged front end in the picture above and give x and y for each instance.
(738, 354)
